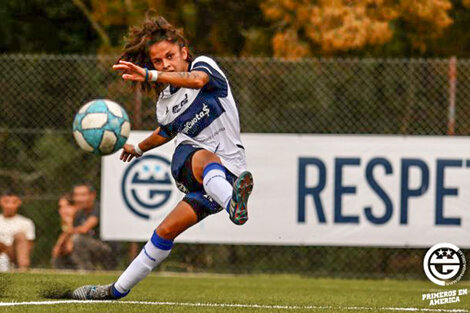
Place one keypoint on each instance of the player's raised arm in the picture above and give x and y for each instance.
(157, 138)
(193, 79)
(133, 72)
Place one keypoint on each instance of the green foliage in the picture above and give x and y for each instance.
(47, 221)
(212, 26)
(348, 96)
(38, 26)
(56, 155)
(341, 262)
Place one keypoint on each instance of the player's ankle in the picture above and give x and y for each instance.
(117, 294)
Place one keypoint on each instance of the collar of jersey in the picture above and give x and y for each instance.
(173, 89)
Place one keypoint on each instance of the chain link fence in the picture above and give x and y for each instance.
(41, 93)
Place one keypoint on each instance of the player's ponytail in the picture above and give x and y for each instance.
(139, 38)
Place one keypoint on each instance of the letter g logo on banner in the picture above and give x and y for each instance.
(146, 185)
(444, 264)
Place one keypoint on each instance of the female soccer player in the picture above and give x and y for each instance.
(194, 105)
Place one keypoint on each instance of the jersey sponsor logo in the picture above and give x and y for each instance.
(179, 106)
(196, 115)
(146, 185)
(205, 111)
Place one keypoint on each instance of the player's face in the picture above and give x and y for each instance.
(83, 197)
(10, 205)
(167, 56)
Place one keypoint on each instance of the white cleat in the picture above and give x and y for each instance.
(93, 292)
(242, 188)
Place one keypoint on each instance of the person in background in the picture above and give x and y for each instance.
(89, 251)
(17, 233)
(64, 245)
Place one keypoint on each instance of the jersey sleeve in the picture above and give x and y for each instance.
(30, 230)
(217, 81)
(166, 132)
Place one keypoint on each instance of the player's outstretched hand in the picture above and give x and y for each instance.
(130, 71)
(128, 153)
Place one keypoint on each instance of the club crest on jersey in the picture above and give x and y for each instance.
(179, 106)
(205, 111)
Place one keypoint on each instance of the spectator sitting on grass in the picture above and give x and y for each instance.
(64, 245)
(88, 250)
(17, 233)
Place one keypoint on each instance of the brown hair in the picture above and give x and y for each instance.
(11, 193)
(68, 197)
(140, 38)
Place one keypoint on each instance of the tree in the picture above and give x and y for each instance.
(44, 26)
(212, 26)
(327, 27)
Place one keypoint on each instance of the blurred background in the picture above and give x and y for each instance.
(315, 67)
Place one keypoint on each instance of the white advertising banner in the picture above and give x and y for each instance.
(387, 191)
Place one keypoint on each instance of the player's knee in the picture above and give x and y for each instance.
(205, 157)
(200, 160)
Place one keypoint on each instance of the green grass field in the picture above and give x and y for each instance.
(224, 293)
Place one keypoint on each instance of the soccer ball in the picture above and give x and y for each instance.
(101, 126)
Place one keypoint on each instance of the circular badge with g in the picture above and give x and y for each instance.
(146, 185)
(444, 264)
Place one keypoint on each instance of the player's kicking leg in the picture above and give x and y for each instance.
(207, 170)
(154, 252)
(220, 185)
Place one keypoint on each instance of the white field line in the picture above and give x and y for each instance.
(232, 305)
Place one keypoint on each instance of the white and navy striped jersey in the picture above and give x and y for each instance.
(206, 117)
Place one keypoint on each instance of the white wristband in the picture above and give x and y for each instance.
(154, 75)
(138, 150)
